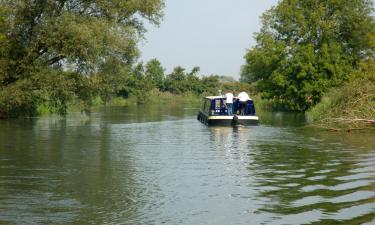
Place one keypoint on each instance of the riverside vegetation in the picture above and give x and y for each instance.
(312, 56)
(317, 56)
(57, 55)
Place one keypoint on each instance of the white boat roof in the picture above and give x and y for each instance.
(218, 96)
(214, 97)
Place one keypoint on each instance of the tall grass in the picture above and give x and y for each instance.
(153, 96)
(351, 106)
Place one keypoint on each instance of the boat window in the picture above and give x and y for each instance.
(217, 103)
(206, 106)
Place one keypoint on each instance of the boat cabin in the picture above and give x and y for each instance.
(215, 106)
(213, 111)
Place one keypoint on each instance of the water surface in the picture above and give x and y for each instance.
(159, 165)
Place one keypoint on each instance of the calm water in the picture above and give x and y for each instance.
(142, 165)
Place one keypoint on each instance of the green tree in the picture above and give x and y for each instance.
(139, 71)
(211, 84)
(137, 84)
(2, 25)
(180, 81)
(155, 73)
(175, 80)
(111, 78)
(306, 47)
(178, 74)
(71, 35)
(193, 83)
(3, 43)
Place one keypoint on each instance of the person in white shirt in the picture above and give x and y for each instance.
(229, 103)
(243, 97)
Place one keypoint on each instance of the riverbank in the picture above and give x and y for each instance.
(349, 107)
(154, 97)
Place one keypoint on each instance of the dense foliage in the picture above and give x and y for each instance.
(351, 106)
(146, 78)
(305, 47)
(57, 53)
(54, 51)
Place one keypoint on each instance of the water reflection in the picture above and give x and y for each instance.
(282, 119)
(125, 166)
(60, 171)
(309, 180)
(146, 113)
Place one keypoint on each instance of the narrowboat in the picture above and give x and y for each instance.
(213, 112)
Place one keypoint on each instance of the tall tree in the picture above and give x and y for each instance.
(180, 81)
(193, 83)
(175, 81)
(307, 46)
(155, 73)
(78, 35)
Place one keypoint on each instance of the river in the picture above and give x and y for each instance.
(159, 165)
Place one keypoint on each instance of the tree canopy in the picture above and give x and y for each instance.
(155, 73)
(307, 46)
(63, 42)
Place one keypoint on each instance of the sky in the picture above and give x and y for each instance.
(211, 34)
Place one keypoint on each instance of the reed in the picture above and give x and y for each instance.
(350, 107)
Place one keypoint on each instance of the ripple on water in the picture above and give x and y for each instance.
(339, 187)
(352, 197)
(175, 170)
(353, 212)
(356, 176)
(314, 178)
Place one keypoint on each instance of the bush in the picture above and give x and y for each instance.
(351, 106)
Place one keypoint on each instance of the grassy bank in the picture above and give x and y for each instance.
(271, 105)
(349, 107)
(153, 96)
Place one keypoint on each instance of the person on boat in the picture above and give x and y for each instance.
(243, 97)
(229, 102)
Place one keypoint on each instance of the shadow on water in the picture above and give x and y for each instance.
(60, 170)
(147, 113)
(282, 119)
